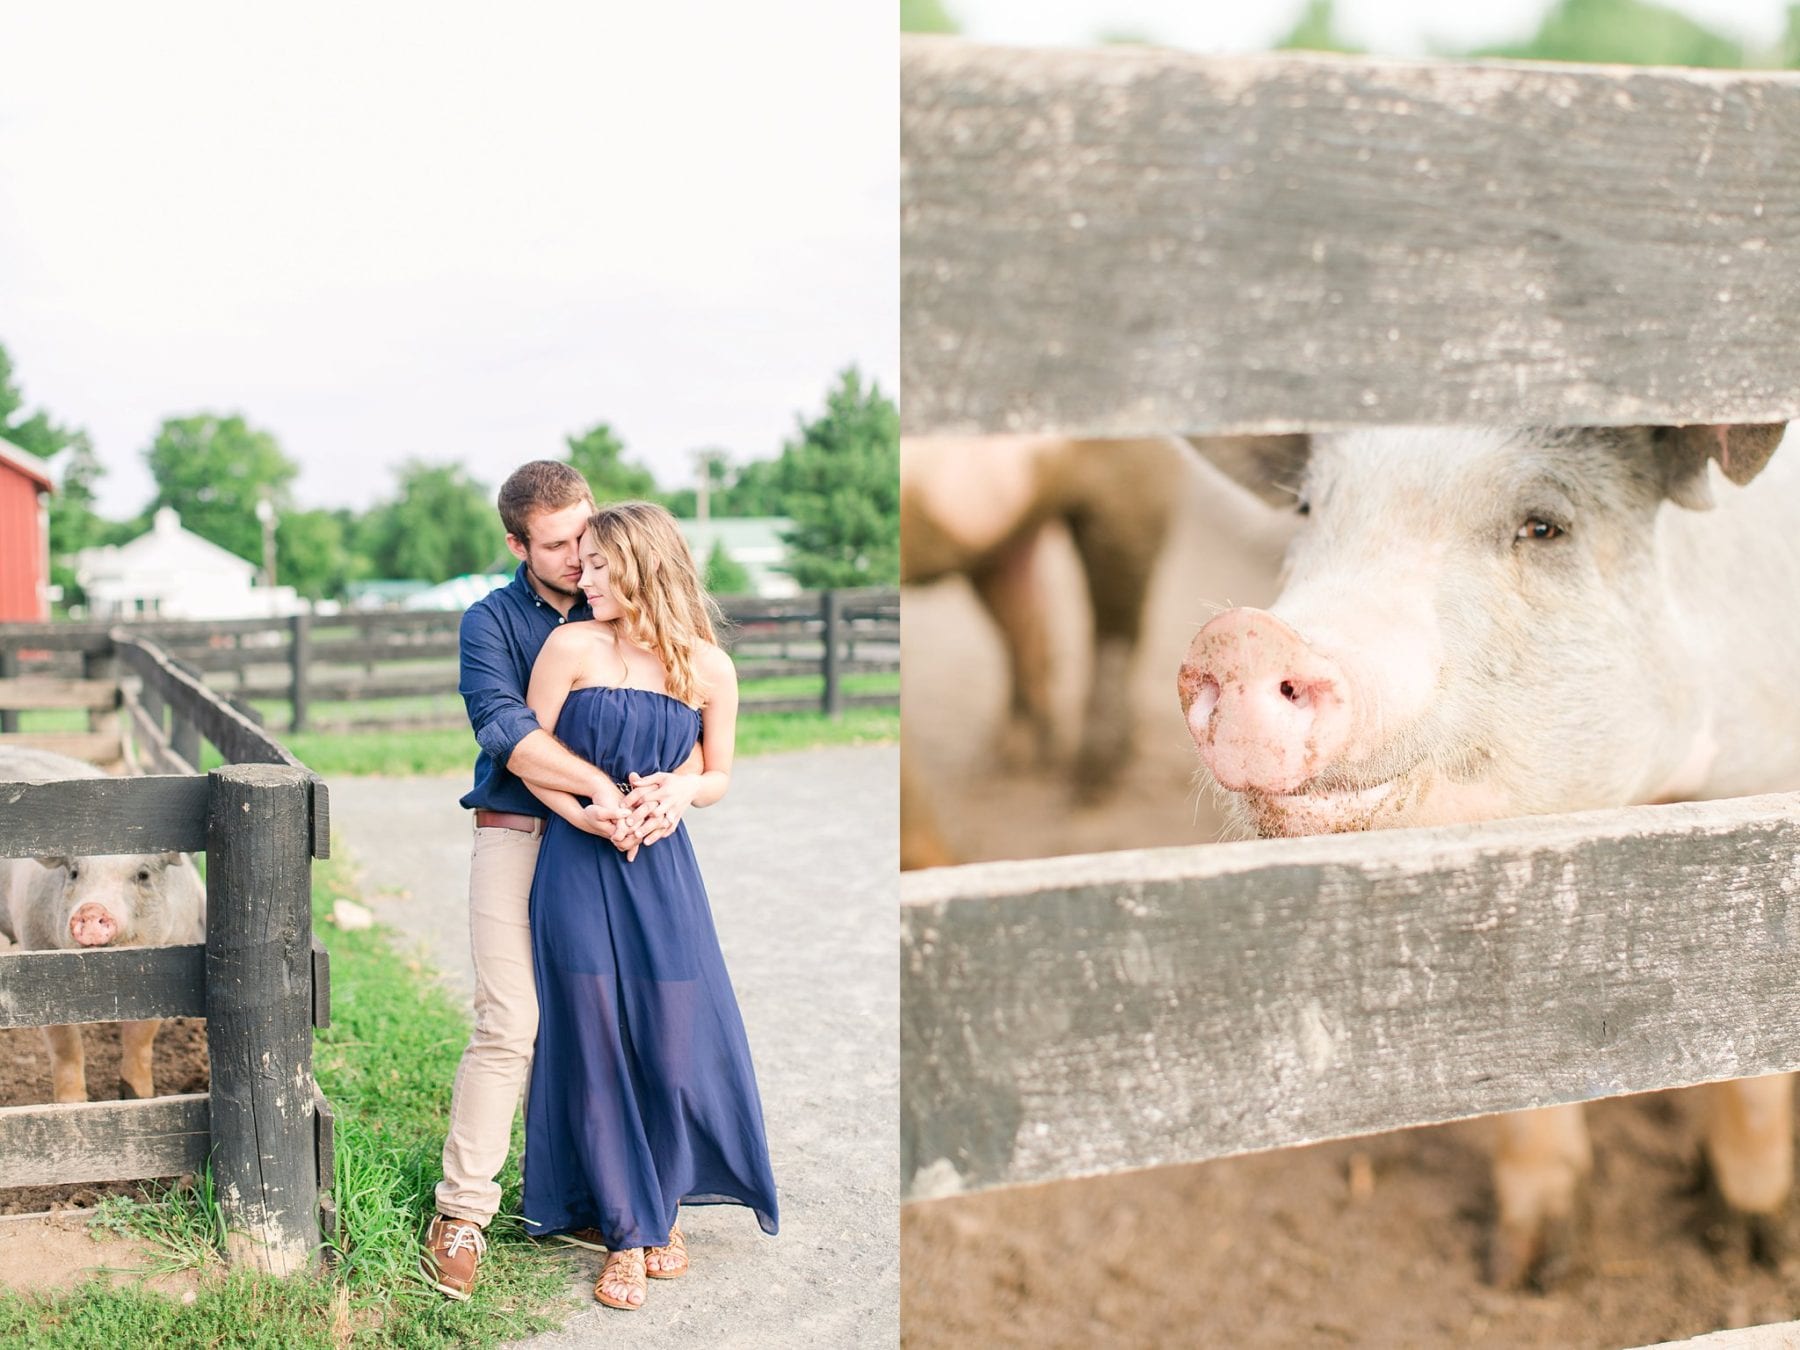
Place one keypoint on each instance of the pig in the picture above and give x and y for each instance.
(106, 900)
(1477, 623)
(979, 508)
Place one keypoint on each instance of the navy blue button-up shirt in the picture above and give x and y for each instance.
(500, 638)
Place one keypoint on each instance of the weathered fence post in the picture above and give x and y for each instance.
(9, 668)
(300, 655)
(259, 1014)
(831, 607)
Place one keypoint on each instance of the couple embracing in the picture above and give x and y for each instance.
(603, 708)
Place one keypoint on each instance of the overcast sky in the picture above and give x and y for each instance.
(1388, 27)
(447, 231)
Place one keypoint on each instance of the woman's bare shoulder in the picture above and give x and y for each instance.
(573, 640)
(713, 666)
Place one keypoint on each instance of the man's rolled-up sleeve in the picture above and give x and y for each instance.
(488, 682)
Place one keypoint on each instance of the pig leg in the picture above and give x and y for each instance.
(136, 1043)
(68, 1067)
(1118, 553)
(1749, 1157)
(1009, 588)
(1540, 1174)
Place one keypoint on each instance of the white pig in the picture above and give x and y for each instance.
(1480, 623)
(106, 900)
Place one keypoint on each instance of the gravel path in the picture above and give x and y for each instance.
(801, 863)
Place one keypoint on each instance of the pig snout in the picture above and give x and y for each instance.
(92, 925)
(1266, 710)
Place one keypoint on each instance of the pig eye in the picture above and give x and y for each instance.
(143, 874)
(74, 871)
(1303, 507)
(1539, 529)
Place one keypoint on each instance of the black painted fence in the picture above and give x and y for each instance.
(260, 979)
(371, 658)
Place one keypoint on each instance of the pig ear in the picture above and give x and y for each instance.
(1270, 466)
(167, 859)
(1741, 452)
(53, 860)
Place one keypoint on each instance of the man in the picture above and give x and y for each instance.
(545, 507)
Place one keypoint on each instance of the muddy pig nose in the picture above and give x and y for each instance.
(1267, 711)
(92, 926)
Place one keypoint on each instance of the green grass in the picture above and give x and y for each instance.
(386, 1064)
(183, 1225)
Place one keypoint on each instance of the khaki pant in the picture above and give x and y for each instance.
(494, 1068)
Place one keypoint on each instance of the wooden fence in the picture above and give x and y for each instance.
(1127, 242)
(260, 980)
(372, 658)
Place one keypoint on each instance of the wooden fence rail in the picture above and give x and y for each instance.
(357, 658)
(1075, 1016)
(1125, 242)
(260, 979)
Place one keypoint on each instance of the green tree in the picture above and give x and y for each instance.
(1316, 31)
(841, 486)
(1787, 56)
(725, 575)
(74, 524)
(441, 524)
(600, 455)
(213, 470)
(755, 491)
(926, 16)
(312, 553)
(1627, 32)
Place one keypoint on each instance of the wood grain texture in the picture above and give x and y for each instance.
(82, 816)
(102, 1141)
(1085, 1015)
(95, 747)
(49, 691)
(1121, 242)
(259, 1013)
(321, 985)
(109, 984)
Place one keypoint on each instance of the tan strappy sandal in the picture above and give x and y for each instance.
(675, 1252)
(623, 1269)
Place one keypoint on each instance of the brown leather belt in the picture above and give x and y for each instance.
(507, 820)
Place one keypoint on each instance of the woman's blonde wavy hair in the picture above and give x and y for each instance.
(651, 574)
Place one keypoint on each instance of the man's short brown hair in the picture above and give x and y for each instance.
(542, 485)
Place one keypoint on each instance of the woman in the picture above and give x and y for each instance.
(642, 1095)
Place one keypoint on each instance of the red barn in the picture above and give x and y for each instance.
(24, 536)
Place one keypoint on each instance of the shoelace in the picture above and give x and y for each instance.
(466, 1235)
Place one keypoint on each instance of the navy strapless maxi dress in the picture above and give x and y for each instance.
(642, 1095)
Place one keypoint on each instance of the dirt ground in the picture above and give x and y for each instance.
(1273, 1249)
(51, 1252)
(180, 1066)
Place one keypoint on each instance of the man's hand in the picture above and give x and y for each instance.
(610, 821)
